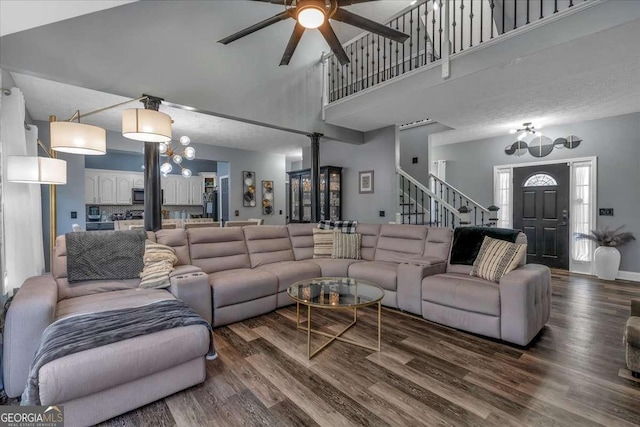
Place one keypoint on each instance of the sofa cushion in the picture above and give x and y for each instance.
(383, 274)
(398, 242)
(438, 242)
(241, 285)
(369, 240)
(333, 267)
(496, 258)
(177, 239)
(301, 236)
(109, 301)
(322, 243)
(76, 376)
(462, 292)
(632, 331)
(268, 244)
(289, 272)
(218, 249)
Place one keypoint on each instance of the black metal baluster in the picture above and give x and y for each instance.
(330, 77)
(475, 215)
(453, 220)
(351, 88)
(555, 9)
(378, 73)
(481, 21)
(384, 61)
(461, 25)
(471, 23)
(404, 55)
(362, 61)
(410, 39)
(528, 11)
(416, 205)
(453, 15)
(440, 23)
(492, 5)
(422, 205)
(418, 36)
(570, 3)
(402, 201)
(541, 9)
(433, 32)
(448, 195)
(391, 58)
(515, 14)
(397, 49)
(437, 219)
(367, 62)
(482, 217)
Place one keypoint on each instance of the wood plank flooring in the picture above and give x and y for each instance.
(573, 374)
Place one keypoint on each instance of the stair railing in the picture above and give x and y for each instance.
(478, 214)
(439, 214)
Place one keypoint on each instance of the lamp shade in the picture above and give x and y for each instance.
(78, 138)
(146, 125)
(36, 170)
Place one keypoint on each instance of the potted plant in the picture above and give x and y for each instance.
(607, 256)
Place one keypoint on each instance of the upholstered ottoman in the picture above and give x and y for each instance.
(632, 339)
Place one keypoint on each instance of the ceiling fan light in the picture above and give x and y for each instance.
(512, 131)
(311, 16)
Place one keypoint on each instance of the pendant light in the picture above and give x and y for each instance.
(36, 170)
(146, 125)
(78, 138)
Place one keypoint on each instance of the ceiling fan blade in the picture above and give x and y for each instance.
(343, 3)
(255, 27)
(347, 17)
(293, 43)
(331, 38)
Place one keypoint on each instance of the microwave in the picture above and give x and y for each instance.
(137, 196)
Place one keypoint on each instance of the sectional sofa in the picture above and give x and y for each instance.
(230, 274)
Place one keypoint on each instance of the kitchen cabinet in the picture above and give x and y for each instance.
(169, 190)
(107, 189)
(124, 184)
(91, 187)
(330, 194)
(138, 181)
(182, 190)
(196, 189)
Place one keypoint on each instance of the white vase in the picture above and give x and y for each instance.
(607, 262)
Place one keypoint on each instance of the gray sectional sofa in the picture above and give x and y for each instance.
(230, 274)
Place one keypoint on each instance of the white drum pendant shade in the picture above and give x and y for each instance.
(146, 125)
(78, 138)
(36, 170)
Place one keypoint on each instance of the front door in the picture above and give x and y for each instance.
(541, 211)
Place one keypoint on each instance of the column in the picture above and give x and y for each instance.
(152, 189)
(315, 176)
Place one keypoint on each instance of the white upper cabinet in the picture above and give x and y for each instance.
(196, 188)
(124, 184)
(91, 187)
(107, 191)
(182, 190)
(169, 190)
(138, 181)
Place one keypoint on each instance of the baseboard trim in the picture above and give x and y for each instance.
(628, 275)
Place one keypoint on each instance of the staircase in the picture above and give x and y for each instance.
(442, 205)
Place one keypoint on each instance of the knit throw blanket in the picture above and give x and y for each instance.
(86, 331)
(104, 255)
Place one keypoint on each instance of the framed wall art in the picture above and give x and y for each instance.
(248, 189)
(366, 182)
(267, 197)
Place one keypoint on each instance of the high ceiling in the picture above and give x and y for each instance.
(168, 49)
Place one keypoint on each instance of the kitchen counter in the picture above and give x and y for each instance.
(100, 225)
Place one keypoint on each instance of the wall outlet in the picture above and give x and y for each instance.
(382, 214)
(74, 215)
(414, 160)
(280, 211)
(236, 213)
(606, 211)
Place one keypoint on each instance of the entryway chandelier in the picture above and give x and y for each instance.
(167, 150)
(527, 128)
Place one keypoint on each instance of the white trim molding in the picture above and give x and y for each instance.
(628, 275)
(574, 265)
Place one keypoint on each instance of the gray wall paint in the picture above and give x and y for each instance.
(414, 143)
(132, 162)
(614, 140)
(377, 154)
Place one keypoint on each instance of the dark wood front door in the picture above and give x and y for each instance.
(541, 211)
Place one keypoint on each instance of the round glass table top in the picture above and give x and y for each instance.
(335, 292)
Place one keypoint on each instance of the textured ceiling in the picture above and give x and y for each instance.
(169, 49)
(44, 98)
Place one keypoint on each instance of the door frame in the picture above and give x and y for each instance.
(584, 267)
(220, 213)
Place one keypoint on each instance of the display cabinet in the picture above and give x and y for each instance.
(330, 194)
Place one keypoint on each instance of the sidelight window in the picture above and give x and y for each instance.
(502, 196)
(581, 210)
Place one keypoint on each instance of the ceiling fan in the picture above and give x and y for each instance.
(316, 14)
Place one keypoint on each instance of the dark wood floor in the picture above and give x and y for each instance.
(573, 374)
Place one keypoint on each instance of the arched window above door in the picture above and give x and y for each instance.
(540, 180)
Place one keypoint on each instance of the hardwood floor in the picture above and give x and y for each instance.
(573, 373)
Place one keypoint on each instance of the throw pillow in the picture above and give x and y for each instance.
(158, 264)
(496, 258)
(468, 240)
(342, 226)
(322, 243)
(346, 246)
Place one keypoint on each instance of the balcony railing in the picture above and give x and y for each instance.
(375, 59)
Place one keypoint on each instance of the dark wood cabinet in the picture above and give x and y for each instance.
(330, 194)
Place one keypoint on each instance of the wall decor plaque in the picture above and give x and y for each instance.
(248, 189)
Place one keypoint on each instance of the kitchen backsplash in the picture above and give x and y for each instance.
(111, 209)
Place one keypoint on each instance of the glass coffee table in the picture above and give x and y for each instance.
(335, 293)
